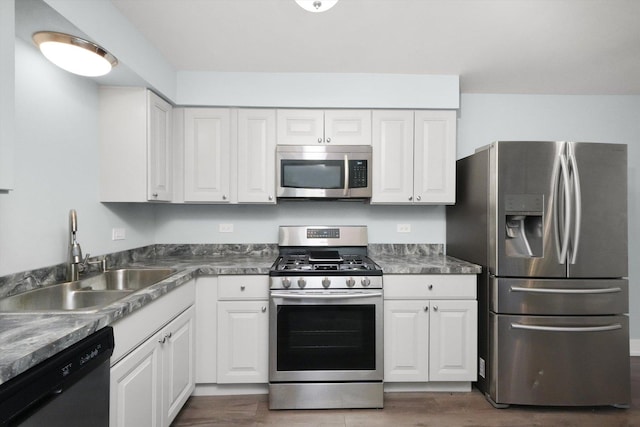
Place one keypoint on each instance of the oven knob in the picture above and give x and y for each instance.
(365, 282)
(286, 282)
(326, 282)
(350, 282)
(302, 283)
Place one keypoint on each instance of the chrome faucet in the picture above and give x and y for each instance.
(75, 252)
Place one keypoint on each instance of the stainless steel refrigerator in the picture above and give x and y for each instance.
(548, 223)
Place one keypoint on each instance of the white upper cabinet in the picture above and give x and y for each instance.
(207, 154)
(337, 127)
(135, 146)
(256, 156)
(435, 157)
(392, 157)
(414, 157)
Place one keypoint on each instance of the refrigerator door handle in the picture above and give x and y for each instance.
(565, 291)
(566, 215)
(567, 328)
(577, 197)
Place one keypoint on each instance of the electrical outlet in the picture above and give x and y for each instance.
(118, 234)
(225, 228)
(404, 228)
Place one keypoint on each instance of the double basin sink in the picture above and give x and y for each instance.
(86, 295)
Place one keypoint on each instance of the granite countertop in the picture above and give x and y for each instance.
(29, 338)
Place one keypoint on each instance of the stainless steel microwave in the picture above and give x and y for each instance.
(323, 171)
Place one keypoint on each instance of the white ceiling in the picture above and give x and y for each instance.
(495, 46)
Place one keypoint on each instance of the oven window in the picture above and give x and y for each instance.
(324, 174)
(326, 337)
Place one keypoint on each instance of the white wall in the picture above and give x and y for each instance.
(56, 169)
(615, 119)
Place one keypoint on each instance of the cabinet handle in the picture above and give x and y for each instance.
(319, 140)
(328, 140)
(435, 308)
(242, 288)
(426, 308)
(168, 334)
(419, 198)
(264, 309)
(155, 194)
(430, 287)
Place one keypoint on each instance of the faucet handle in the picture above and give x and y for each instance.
(102, 262)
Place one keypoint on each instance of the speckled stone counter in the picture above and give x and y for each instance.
(27, 338)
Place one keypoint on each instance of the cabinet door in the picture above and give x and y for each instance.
(453, 340)
(206, 329)
(435, 157)
(300, 127)
(243, 347)
(178, 363)
(207, 144)
(135, 395)
(347, 127)
(406, 341)
(392, 157)
(256, 156)
(159, 148)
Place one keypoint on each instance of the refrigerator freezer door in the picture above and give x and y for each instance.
(561, 297)
(525, 185)
(602, 217)
(560, 360)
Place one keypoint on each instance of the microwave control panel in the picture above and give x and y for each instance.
(358, 173)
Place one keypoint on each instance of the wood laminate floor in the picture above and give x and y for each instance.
(409, 409)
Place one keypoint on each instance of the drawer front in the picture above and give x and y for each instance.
(560, 360)
(243, 287)
(429, 286)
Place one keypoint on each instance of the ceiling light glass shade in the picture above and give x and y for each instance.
(316, 5)
(74, 54)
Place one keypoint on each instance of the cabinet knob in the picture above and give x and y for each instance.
(430, 287)
(270, 197)
(224, 197)
(163, 340)
(328, 139)
(168, 334)
(426, 308)
(435, 308)
(410, 198)
(264, 309)
(155, 194)
(319, 140)
(242, 288)
(419, 198)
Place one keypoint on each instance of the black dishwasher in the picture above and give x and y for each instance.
(70, 388)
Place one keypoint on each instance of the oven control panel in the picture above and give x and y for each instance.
(325, 282)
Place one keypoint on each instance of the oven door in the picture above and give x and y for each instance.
(325, 335)
(323, 171)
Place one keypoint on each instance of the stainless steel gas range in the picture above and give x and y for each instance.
(325, 324)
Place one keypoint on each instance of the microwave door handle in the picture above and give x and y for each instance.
(346, 175)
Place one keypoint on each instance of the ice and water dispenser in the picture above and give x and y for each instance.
(524, 225)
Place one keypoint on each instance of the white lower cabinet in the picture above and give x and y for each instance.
(151, 383)
(243, 329)
(430, 326)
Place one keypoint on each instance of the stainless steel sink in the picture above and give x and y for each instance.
(126, 279)
(85, 295)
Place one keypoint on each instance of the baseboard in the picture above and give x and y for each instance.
(634, 347)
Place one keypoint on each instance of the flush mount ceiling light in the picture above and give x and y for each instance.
(316, 5)
(74, 54)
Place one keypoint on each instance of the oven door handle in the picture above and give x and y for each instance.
(324, 296)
